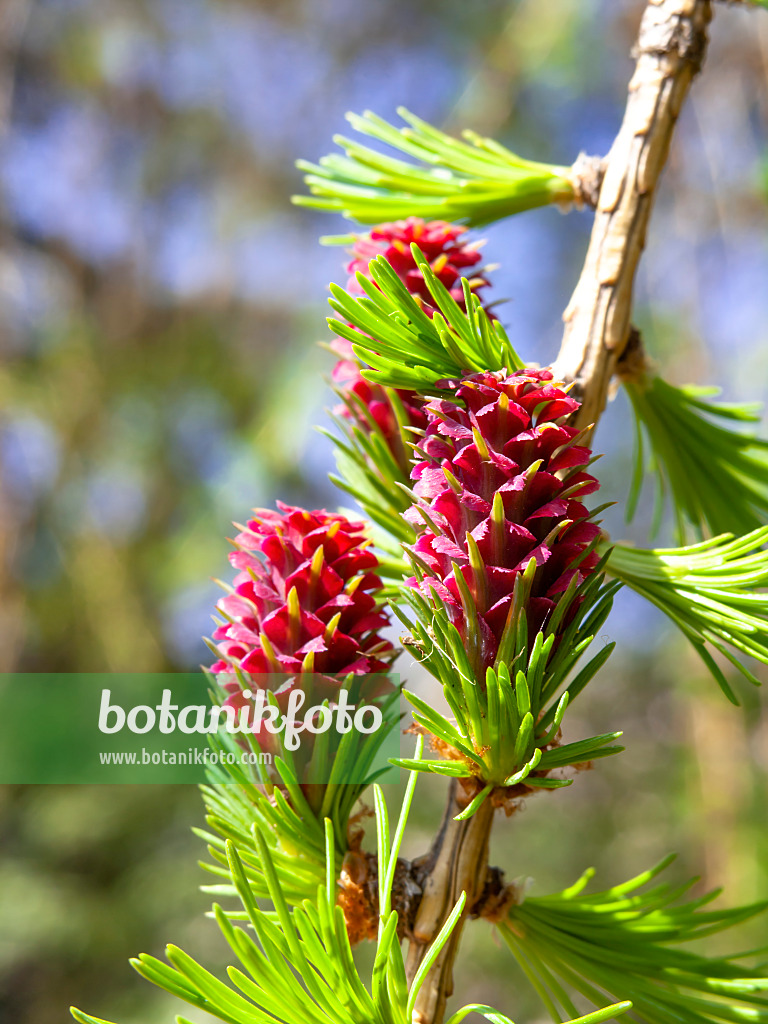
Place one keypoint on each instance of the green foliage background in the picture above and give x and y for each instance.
(158, 377)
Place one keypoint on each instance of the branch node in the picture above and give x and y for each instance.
(587, 175)
(634, 364)
(495, 899)
(678, 36)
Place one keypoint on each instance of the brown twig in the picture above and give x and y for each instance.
(457, 863)
(669, 51)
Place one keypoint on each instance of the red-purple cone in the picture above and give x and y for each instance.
(303, 603)
(501, 480)
(303, 599)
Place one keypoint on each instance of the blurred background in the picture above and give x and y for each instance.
(160, 308)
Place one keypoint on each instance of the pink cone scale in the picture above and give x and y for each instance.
(304, 599)
(500, 481)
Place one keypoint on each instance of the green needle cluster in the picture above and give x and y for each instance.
(626, 942)
(715, 478)
(713, 591)
(477, 181)
(404, 346)
(505, 731)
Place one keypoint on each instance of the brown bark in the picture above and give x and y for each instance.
(457, 863)
(669, 51)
